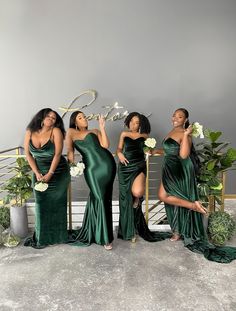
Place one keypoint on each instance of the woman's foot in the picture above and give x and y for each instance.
(133, 240)
(108, 247)
(175, 237)
(198, 207)
(136, 203)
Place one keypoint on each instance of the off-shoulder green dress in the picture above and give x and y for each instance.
(131, 219)
(179, 180)
(99, 173)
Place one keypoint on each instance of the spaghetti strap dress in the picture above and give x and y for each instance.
(50, 205)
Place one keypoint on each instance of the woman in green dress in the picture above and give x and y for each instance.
(100, 170)
(131, 173)
(178, 190)
(43, 149)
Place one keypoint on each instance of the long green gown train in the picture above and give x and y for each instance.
(99, 173)
(50, 205)
(178, 179)
(132, 220)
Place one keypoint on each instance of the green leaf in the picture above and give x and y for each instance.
(211, 164)
(218, 187)
(213, 136)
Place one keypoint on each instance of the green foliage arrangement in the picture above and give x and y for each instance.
(19, 186)
(5, 217)
(221, 227)
(216, 157)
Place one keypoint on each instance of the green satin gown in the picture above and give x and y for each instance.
(178, 178)
(50, 205)
(99, 173)
(132, 220)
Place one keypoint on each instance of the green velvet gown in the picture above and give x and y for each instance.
(50, 205)
(132, 220)
(178, 179)
(99, 173)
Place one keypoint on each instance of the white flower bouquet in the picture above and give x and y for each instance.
(197, 130)
(150, 144)
(41, 186)
(77, 169)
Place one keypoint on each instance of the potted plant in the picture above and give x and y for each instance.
(221, 227)
(216, 158)
(19, 190)
(5, 216)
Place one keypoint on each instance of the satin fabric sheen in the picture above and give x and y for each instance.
(99, 173)
(50, 205)
(178, 179)
(132, 220)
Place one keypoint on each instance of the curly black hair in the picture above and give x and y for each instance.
(145, 127)
(36, 122)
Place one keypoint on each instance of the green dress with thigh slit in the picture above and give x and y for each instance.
(132, 220)
(178, 178)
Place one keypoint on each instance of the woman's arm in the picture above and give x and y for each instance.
(185, 146)
(102, 135)
(157, 151)
(70, 147)
(58, 143)
(29, 157)
(119, 150)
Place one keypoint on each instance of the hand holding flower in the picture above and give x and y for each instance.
(41, 186)
(150, 144)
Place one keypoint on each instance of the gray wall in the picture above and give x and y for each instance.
(149, 55)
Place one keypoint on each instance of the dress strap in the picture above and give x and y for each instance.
(51, 133)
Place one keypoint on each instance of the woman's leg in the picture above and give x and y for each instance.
(138, 188)
(172, 200)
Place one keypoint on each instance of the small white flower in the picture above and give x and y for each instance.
(150, 142)
(197, 130)
(41, 186)
(81, 167)
(78, 169)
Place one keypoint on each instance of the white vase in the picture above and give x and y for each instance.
(19, 221)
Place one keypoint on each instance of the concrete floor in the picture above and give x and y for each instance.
(144, 276)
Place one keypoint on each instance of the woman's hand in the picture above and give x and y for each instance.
(101, 121)
(188, 130)
(46, 177)
(39, 176)
(122, 158)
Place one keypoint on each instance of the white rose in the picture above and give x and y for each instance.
(77, 169)
(197, 130)
(74, 171)
(41, 186)
(150, 142)
(81, 167)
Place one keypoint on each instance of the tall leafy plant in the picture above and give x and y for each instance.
(216, 157)
(19, 186)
